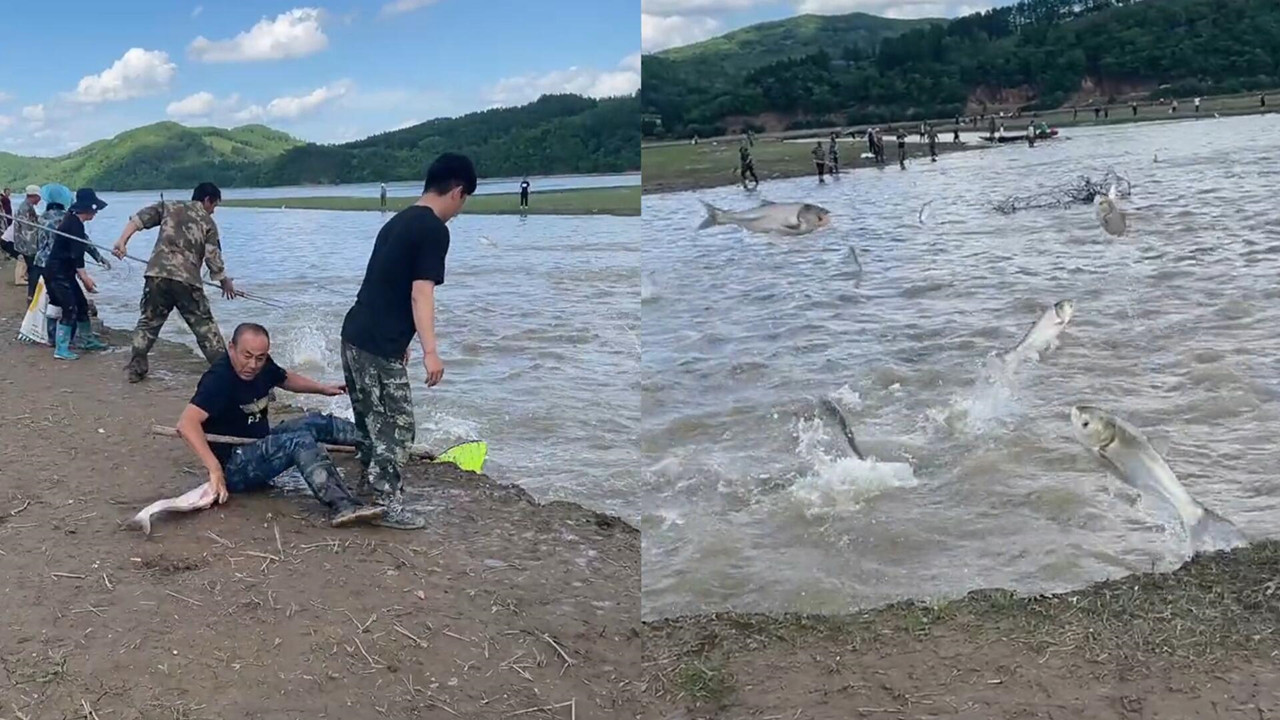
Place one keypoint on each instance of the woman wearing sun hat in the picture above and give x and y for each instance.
(65, 266)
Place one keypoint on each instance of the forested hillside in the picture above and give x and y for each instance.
(1037, 54)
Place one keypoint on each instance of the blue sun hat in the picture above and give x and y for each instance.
(57, 194)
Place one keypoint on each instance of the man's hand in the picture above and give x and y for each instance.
(219, 484)
(333, 390)
(118, 248)
(435, 368)
(228, 289)
(89, 285)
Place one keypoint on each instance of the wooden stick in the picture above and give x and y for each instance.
(227, 439)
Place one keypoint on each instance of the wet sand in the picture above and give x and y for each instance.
(257, 608)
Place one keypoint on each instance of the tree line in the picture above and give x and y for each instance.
(1045, 47)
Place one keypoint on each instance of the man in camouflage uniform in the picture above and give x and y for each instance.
(188, 237)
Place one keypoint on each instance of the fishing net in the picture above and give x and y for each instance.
(1082, 190)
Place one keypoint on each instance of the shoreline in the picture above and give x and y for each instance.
(678, 166)
(1146, 642)
(257, 606)
(622, 201)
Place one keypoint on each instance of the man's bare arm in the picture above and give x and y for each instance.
(294, 382)
(191, 428)
(424, 321)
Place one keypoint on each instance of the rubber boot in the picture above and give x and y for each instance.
(63, 350)
(51, 325)
(88, 340)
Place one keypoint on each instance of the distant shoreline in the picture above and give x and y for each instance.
(680, 166)
(619, 201)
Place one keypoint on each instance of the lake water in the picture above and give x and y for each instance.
(538, 325)
(404, 188)
(752, 504)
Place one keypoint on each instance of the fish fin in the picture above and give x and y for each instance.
(713, 215)
(1214, 532)
(832, 408)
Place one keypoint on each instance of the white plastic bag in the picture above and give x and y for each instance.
(34, 325)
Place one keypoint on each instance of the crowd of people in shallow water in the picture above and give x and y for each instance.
(225, 423)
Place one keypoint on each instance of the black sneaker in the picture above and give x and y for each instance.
(398, 517)
(354, 514)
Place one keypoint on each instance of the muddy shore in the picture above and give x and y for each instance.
(1196, 643)
(257, 608)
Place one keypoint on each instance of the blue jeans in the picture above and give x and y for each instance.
(295, 443)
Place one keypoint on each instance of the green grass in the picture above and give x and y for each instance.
(590, 201)
(669, 168)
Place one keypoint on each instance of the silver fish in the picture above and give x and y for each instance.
(1139, 466)
(770, 217)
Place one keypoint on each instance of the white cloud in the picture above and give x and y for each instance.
(201, 104)
(291, 107)
(138, 73)
(658, 32)
(34, 113)
(5, 97)
(623, 80)
(6, 122)
(698, 7)
(891, 8)
(293, 34)
(196, 13)
(403, 6)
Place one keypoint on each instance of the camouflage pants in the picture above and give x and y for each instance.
(383, 405)
(294, 443)
(159, 298)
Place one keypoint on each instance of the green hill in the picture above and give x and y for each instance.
(161, 155)
(556, 134)
(1036, 54)
(746, 49)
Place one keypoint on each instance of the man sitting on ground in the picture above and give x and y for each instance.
(232, 399)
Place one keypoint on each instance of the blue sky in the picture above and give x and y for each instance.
(668, 23)
(324, 71)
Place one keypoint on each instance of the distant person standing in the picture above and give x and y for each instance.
(1174, 107)
(524, 193)
(746, 166)
(833, 156)
(820, 161)
(1197, 105)
(1262, 100)
(382, 195)
(902, 148)
(188, 238)
(933, 144)
(1097, 113)
(397, 300)
(1134, 107)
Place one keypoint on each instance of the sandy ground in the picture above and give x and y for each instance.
(1196, 643)
(259, 609)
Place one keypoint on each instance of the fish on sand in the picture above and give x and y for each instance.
(197, 498)
(770, 217)
(1131, 456)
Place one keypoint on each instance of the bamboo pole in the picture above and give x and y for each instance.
(229, 440)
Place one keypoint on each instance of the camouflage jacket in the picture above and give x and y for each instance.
(26, 236)
(188, 237)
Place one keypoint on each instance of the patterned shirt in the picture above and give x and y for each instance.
(26, 236)
(188, 237)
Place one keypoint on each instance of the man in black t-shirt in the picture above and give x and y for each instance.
(524, 194)
(397, 300)
(232, 400)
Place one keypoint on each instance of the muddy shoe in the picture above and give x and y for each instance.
(400, 518)
(355, 514)
(137, 372)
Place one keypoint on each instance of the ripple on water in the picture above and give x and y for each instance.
(976, 479)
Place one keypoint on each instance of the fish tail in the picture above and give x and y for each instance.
(844, 426)
(1214, 532)
(713, 215)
